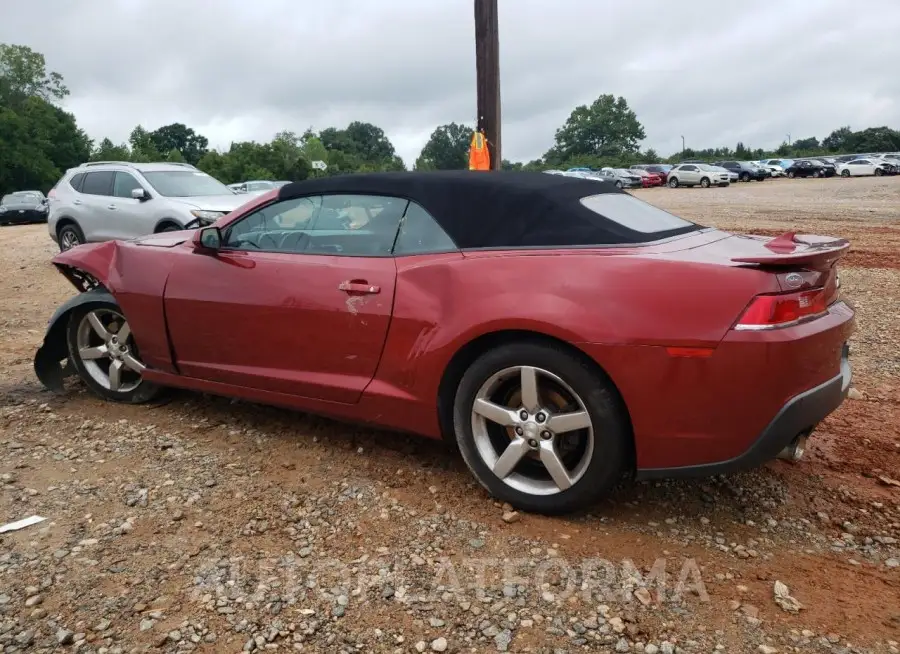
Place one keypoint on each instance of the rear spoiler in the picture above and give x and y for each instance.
(791, 250)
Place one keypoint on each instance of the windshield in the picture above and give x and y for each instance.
(185, 184)
(20, 198)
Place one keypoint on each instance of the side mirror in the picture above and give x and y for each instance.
(139, 194)
(208, 239)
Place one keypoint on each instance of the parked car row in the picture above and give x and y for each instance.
(696, 172)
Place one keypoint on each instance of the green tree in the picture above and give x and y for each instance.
(876, 139)
(840, 140)
(179, 136)
(447, 148)
(650, 156)
(109, 151)
(313, 150)
(811, 143)
(175, 156)
(143, 149)
(24, 74)
(606, 128)
(38, 140)
(289, 162)
(362, 146)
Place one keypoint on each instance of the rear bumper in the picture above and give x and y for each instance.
(799, 415)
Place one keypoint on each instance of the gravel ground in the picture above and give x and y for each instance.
(214, 525)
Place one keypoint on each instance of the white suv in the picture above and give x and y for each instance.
(106, 200)
(692, 174)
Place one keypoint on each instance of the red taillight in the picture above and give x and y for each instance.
(783, 309)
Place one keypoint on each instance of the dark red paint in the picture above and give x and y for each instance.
(287, 329)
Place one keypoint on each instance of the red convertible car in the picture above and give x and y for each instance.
(561, 332)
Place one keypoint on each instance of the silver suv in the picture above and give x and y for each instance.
(106, 200)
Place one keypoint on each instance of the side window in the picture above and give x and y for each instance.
(420, 234)
(689, 168)
(124, 185)
(99, 183)
(278, 227)
(76, 181)
(356, 225)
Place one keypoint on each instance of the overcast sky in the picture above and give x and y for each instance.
(715, 71)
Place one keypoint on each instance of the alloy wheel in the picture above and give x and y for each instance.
(532, 430)
(107, 350)
(69, 239)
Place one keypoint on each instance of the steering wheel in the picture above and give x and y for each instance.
(294, 242)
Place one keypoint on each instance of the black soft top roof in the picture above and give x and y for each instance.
(481, 209)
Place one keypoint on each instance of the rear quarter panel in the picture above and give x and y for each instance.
(609, 303)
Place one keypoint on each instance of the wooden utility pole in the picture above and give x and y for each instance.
(487, 72)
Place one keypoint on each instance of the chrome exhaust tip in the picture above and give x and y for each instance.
(794, 451)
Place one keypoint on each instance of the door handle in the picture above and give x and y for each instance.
(76, 201)
(359, 286)
(111, 207)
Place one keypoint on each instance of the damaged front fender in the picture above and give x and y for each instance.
(54, 351)
(89, 266)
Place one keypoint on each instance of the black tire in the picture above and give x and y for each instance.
(845, 173)
(704, 182)
(68, 236)
(610, 454)
(144, 391)
(879, 172)
(618, 184)
(745, 177)
(169, 227)
(673, 182)
(791, 174)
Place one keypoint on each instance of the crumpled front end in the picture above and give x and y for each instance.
(91, 269)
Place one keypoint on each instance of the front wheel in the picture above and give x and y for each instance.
(879, 172)
(745, 177)
(619, 185)
(540, 428)
(673, 182)
(845, 173)
(105, 355)
(704, 182)
(791, 175)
